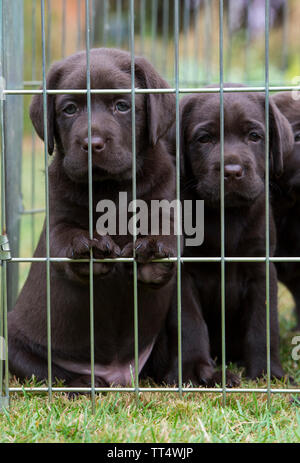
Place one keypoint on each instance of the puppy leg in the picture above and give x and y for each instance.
(25, 362)
(75, 243)
(255, 347)
(150, 248)
(197, 365)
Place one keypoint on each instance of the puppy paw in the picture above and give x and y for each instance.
(232, 380)
(103, 248)
(84, 381)
(147, 249)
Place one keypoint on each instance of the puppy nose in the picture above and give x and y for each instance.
(233, 172)
(97, 144)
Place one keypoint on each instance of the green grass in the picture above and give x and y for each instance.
(157, 417)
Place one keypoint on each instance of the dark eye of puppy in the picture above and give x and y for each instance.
(205, 138)
(297, 137)
(254, 136)
(122, 106)
(70, 109)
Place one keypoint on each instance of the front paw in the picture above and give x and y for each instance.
(232, 380)
(147, 249)
(103, 247)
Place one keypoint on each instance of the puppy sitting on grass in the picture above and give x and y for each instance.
(287, 203)
(245, 229)
(111, 145)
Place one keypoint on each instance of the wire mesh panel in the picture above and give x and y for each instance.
(192, 43)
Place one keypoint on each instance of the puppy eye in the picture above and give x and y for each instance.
(254, 136)
(122, 106)
(206, 138)
(70, 109)
(297, 137)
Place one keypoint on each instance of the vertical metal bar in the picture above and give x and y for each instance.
(63, 34)
(90, 179)
(13, 43)
(222, 197)
(33, 136)
(45, 109)
(142, 25)
(135, 284)
(267, 196)
(166, 9)
(154, 31)
(176, 40)
(78, 25)
(4, 385)
(119, 23)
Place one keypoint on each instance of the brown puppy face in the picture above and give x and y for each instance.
(291, 110)
(244, 145)
(111, 115)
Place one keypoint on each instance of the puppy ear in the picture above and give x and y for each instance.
(281, 139)
(160, 107)
(186, 105)
(36, 110)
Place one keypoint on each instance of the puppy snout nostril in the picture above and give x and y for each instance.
(233, 171)
(97, 144)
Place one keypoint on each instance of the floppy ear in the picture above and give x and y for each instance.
(281, 139)
(37, 108)
(160, 107)
(186, 105)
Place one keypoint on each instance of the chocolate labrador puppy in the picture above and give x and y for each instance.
(244, 178)
(111, 145)
(286, 203)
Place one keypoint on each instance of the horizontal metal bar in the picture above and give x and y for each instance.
(32, 211)
(151, 90)
(167, 259)
(157, 389)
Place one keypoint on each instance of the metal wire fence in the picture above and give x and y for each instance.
(174, 35)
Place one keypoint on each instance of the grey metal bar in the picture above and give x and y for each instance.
(45, 121)
(90, 186)
(179, 307)
(33, 134)
(4, 385)
(272, 88)
(133, 128)
(267, 193)
(222, 197)
(205, 390)
(13, 19)
(170, 259)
